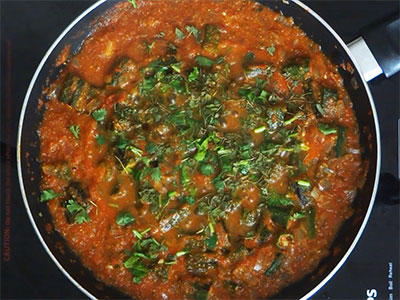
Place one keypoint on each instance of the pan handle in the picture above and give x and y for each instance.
(378, 50)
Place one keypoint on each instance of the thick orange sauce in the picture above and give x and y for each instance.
(313, 174)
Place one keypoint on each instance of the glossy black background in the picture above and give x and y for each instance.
(28, 28)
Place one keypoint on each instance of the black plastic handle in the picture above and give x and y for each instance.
(383, 41)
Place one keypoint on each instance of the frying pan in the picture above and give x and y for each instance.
(29, 169)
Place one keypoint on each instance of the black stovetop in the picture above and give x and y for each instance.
(28, 28)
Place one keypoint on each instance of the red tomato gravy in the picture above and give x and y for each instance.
(199, 149)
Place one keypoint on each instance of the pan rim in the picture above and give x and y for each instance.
(19, 137)
(378, 151)
(302, 6)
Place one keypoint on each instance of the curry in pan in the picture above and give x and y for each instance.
(198, 149)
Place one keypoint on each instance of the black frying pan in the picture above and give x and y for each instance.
(30, 173)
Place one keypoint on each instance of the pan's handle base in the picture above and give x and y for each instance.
(384, 41)
(378, 50)
(365, 59)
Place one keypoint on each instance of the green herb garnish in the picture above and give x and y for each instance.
(271, 50)
(211, 38)
(179, 34)
(133, 2)
(304, 183)
(249, 57)
(326, 129)
(135, 265)
(75, 129)
(194, 75)
(260, 129)
(122, 143)
(203, 61)
(275, 265)
(136, 151)
(202, 150)
(192, 30)
(99, 114)
(298, 215)
(341, 141)
(207, 169)
(78, 213)
(311, 222)
(124, 218)
(156, 174)
(48, 194)
(211, 241)
(148, 46)
(296, 72)
(100, 139)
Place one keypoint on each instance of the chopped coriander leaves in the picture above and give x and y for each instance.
(135, 265)
(202, 150)
(145, 252)
(211, 241)
(100, 139)
(99, 114)
(124, 218)
(176, 67)
(151, 148)
(179, 34)
(75, 129)
(194, 74)
(218, 184)
(298, 215)
(48, 194)
(280, 208)
(255, 93)
(192, 30)
(172, 48)
(200, 294)
(156, 174)
(271, 50)
(133, 2)
(280, 215)
(320, 109)
(77, 212)
(211, 37)
(148, 46)
(189, 200)
(276, 200)
(203, 61)
(122, 143)
(160, 35)
(172, 194)
(207, 169)
(296, 71)
(136, 151)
